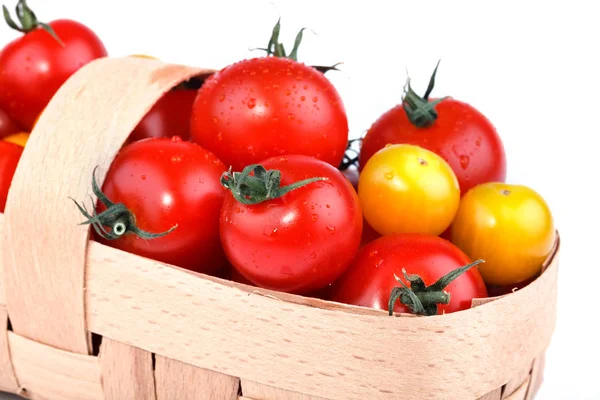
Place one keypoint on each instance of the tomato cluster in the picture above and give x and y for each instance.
(250, 175)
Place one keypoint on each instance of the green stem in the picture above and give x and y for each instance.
(420, 111)
(262, 186)
(28, 20)
(117, 216)
(422, 299)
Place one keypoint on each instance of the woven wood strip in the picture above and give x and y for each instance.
(253, 390)
(8, 380)
(177, 380)
(45, 372)
(217, 325)
(127, 372)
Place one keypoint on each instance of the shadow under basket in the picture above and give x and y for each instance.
(167, 333)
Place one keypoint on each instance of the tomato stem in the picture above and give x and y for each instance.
(420, 111)
(422, 299)
(28, 20)
(117, 216)
(262, 186)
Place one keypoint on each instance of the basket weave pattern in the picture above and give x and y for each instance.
(168, 333)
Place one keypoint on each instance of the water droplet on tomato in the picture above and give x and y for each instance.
(265, 71)
(215, 119)
(389, 175)
(315, 99)
(176, 159)
(315, 217)
(288, 92)
(291, 117)
(222, 98)
(328, 205)
(269, 230)
(143, 177)
(313, 255)
(478, 142)
(302, 98)
(175, 138)
(373, 253)
(266, 104)
(220, 136)
(464, 161)
(331, 228)
(251, 103)
(236, 210)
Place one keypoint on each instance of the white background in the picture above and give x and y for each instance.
(531, 68)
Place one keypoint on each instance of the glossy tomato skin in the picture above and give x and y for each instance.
(408, 189)
(461, 135)
(35, 65)
(510, 226)
(167, 182)
(170, 116)
(370, 279)
(300, 242)
(269, 106)
(10, 154)
(7, 125)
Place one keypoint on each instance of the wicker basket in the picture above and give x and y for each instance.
(172, 334)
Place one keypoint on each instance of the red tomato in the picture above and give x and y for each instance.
(266, 107)
(35, 65)
(10, 154)
(7, 125)
(169, 117)
(370, 279)
(165, 184)
(455, 130)
(297, 242)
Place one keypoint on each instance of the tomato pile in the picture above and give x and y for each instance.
(251, 175)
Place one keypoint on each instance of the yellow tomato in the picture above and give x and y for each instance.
(17, 138)
(405, 188)
(509, 226)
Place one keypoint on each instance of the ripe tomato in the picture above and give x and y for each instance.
(455, 130)
(170, 116)
(170, 190)
(20, 138)
(10, 154)
(269, 106)
(7, 125)
(405, 188)
(510, 226)
(35, 65)
(298, 241)
(370, 279)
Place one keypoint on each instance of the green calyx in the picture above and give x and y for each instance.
(420, 111)
(422, 299)
(117, 216)
(277, 49)
(263, 185)
(28, 20)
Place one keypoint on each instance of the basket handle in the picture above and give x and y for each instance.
(43, 248)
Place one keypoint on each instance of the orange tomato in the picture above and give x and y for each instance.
(509, 226)
(18, 138)
(408, 189)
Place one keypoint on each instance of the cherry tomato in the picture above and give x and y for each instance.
(266, 107)
(7, 125)
(455, 130)
(170, 116)
(370, 279)
(10, 154)
(510, 226)
(35, 65)
(172, 193)
(298, 241)
(405, 188)
(20, 138)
